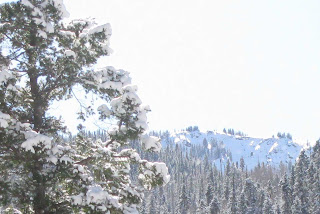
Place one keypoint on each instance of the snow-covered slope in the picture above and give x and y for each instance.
(253, 150)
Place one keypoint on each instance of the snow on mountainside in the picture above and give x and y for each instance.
(271, 151)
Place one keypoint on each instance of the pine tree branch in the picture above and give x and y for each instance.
(110, 142)
(84, 161)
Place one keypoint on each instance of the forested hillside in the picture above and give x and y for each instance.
(231, 146)
(197, 185)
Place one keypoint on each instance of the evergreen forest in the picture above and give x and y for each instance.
(123, 167)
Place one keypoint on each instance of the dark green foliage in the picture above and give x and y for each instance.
(263, 189)
(284, 135)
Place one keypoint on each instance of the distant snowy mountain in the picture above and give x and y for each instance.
(271, 151)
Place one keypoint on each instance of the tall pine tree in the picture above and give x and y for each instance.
(42, 60)
(300, 189)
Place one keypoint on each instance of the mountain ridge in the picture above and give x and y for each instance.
(271, 151)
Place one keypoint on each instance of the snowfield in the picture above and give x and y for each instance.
(271, 151)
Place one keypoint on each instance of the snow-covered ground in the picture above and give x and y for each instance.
(271, 151)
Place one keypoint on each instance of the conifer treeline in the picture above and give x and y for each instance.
(198, 186)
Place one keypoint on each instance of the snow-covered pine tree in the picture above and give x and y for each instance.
(315, 193)
(242, 204)
(297, 206)
(232, 203)
(267, 206)
(201, 206)
(42, 60)
(226, 185)
(314, 179)
(250, 193)
(214, 207)
(261, 196)
(315, 156)
(286, 197)
(242, 164)
(205, 143)
(184, 199)
(300, 189)
(210, 192)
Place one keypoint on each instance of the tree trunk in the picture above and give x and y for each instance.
(37, 104)
(39, 201)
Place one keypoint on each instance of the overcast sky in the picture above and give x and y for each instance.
(249, 65)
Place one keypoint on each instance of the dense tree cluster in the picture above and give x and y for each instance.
(197, 186)
(192, 129)
(232, 132)
(284, 135)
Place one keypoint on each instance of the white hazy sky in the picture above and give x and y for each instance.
(249, 65)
